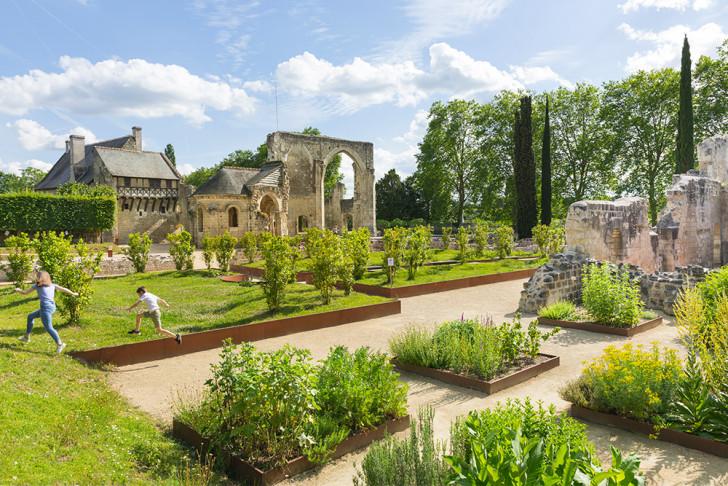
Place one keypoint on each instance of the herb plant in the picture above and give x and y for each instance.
(611, 296)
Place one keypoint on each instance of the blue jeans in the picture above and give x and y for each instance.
(46, 316)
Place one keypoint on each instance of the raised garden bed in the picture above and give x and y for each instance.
(243, 471)
(684, 439)
(132, 353)
(544, 362)
(442, 286)
(590, 326)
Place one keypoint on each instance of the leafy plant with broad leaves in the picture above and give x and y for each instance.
(224, 249)
(20, 259)
(417, 249)
(181, 249)
(140, 244)
(278, 271)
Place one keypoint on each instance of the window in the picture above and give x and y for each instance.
(302, 224)
(127, 181)
(154, 183)
(200, 221)
(233, 217)
(126, 206)
(162, 209)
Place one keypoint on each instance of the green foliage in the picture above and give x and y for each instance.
(24, 182)
(278, 270)
(712, 289)
(503, 241)
(711, 93)
(550, 239)
(416, 249)
(262, 239)
(31, 211)
(181, 249)
(415, 460)
(238, 158)
(357, 248)
(53, 250)
(685, 155)
(397, 199)
(224, 249)
(524, 171)
(77, 274)
(481, 230)
(208, 250)
(611, 297)
(79, 189)
(446, 237)
(562, 310)
(248, 242)
(169, 153)
(140, 244)
(295, 242)
(327, 258)
(463, 242)
(546, 212)
(470, 347)
(630, 381)
(395, 241)
(20, 259)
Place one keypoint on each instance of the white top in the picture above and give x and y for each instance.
(151, 300)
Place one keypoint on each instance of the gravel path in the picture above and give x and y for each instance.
(153, 386)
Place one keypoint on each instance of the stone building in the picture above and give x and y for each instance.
(286, 195)
(151, 195)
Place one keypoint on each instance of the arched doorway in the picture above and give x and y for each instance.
(339, 187)
(232, 218)
(270, 211)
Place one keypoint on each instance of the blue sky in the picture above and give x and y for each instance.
(201, 74)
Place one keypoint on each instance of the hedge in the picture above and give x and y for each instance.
(34, 211)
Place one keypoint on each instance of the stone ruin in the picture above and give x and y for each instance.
(691, 236)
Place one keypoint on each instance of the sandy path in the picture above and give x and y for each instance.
(152, 386)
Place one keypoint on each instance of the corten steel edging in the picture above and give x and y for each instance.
(133, 353)
(443, 286)
(684, 439)
(596, 327)
(244, 471)
(489, 386)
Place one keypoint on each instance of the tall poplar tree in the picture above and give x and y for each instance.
(169, 152)
(546, 169)
(524, 171)
(685, 158)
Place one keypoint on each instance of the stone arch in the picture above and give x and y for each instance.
(200, 219)
(233, 217)
(269, 208)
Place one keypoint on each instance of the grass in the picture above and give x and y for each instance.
(198, 302)
(450, 272)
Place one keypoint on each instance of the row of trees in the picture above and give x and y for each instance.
(596, 142)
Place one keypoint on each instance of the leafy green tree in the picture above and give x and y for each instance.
(80, 189)
(642, 112)
(394, 246)
(208, 250)
(224, 250)
(503, 241)
(711, 94)
(524, 171)
(53, 250)
(685, 143)
(169, 152)
(140, 244)
(249, 244)
(201, 175)
(357, 249)
(278, 270)
(238, 158)
(463, 240)
(398, 199)
(326, 261)
(417, 249)
(181, 249)
(77, 274)
(546, 169)
(26, 181)
(20, 259)
(480, 236)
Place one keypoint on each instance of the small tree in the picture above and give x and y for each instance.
(224, 250)
(208, 250)
(417, 249)
(326, 263)
(357, 249)
(140, 244)
(262, 238)
(394, 244)
(20, 259)
(54, 251)
(503, 241)
(77, 275)
(277, 256)
(346, 267)
(313, 236)
(611, 297)
(181, 249)
(296, 253)
(446, 237)
(549, 239)
(249, 244)
(463, 239)
(480, 237)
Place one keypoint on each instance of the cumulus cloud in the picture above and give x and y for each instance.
(17, 167)
(682, 5)
(361, 83)
(416, 129)
(133, 88)
(403, 161)
(34, 136)
(258, 86)
(185, 169)
(667, 44)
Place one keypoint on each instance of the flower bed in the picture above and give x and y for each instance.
(473, 354)
(591, 326)
(267, 416)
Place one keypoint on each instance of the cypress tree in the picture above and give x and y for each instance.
(524, 171)
(684, 157)
(169, 152)
(546, 169)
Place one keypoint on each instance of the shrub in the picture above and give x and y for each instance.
(77, 274)
(463, 239)
(140, 244)
(357, 249)
(383, 224)
(249, 244)
(54, 251)
(208, 250)
(415, 222)
(549, 239)
(480, 237)
(35, 211)
(326, 263)
(503, 241)
(278, 271)
(629, 381)
(80, 189)
(611, 297)
(714, 285)
(181, 249)
(562, 310)
(295, 242)
(224, 250)
(311, 239)
(394, 246)
(20, 259)
(262, 238)
(417, 248)
(446, 237)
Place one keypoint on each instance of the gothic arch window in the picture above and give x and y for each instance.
(200, 220)
(233, 217)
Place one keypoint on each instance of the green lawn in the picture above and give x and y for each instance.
(450, 272)
(198, 302)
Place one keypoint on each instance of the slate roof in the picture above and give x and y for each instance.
(239, 180)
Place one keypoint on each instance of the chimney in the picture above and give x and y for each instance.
(77, 144)
(136, 132)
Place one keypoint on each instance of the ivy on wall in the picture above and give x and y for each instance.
(29, 211)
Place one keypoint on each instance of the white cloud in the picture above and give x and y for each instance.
(258, 86)
(682, 5)
(17, 167)
(185, 169)
(404, 162)
(133, 88)
(667, 44)
(538, 74)
(231, 19)
(416, 130)
(34, 136)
